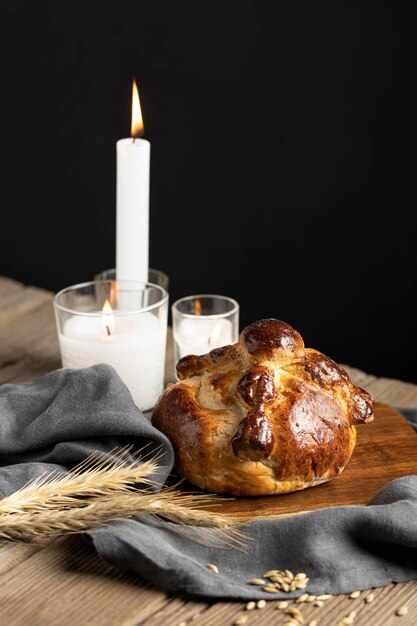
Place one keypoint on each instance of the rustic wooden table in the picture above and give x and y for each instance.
(66, 583)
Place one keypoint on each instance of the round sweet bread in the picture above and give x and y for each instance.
(263, 416)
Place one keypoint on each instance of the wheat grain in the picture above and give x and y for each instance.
(241, 619)
(300, 581)
(403, 610)
(251, 605)
(296, 614)
(282, 604)
(213, 567)
(302, 598)
(355, 594)
(256, 581)
(300, 584)
(276, 579)
(345, 621)
(272, 572)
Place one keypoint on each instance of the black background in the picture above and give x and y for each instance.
(283, 156)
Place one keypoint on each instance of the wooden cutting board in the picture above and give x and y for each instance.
(386, 449)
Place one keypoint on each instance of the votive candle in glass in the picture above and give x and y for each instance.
(121, 323)
(203, 322)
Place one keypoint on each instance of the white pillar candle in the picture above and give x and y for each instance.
(135, 347)
(200, 335)
(132, 201)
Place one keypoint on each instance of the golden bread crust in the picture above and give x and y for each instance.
(263, 416)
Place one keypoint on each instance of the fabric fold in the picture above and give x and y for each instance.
(56, 421)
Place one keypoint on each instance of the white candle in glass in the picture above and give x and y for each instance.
(132, 200)
(200, 335)
(133, 344)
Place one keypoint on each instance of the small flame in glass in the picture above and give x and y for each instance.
(107, 318)
(197, 307)
(137, 126)
(114, 295)
(215, 334)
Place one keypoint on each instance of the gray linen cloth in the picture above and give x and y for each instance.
(59, 419)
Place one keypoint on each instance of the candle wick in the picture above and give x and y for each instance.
(108, 331)
(134, 139)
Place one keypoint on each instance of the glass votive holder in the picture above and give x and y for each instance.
(203, 322)
(156, 277)
(121, 323)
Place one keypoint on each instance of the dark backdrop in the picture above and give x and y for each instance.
(283, 156)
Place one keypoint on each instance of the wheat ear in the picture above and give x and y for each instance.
(166, 505)
(100, 491)
(95, 476)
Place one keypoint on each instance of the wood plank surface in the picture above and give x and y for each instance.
(65, 582)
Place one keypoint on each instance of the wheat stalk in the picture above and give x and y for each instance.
(98, 512)
(95, 476)
(98, 492)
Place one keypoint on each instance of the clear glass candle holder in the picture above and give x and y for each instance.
(156, 277)
(121, 323)
(203, 322)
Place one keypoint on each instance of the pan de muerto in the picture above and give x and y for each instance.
(263, 416)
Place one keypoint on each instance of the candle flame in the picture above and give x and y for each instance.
(137, 127)
(215, 334)
(114, 295)
(107, 318)
(197, 307)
